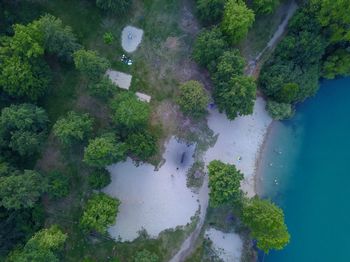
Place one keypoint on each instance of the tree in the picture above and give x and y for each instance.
(224, 183)
(100, 212)
(210, 11)
(72, 128)
(23, 72)
(41, 246)
(193, 100)
(334, 16)
(237, 20)
(288, 93)
(103, 151)
(90, 64)
(266, 222)
(103, 89)
(57, 38)
(23, 128)
(142, 145)
(236, 97)
(209, 46)
(99, 178)
(114, 6)
(265, 6)
(279, 111)
(336, 64)
(231, 63)
(21, 190)
(58, 184)
(146, 256)
(129, 113)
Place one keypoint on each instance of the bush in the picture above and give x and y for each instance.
(142, 145)
(288, 93)
(103, 89)
(210, 11)
(265, 6)
(108, 38)
(58, 184)
(193, 99)
(279, 111)
(99, 178)
(146, 256)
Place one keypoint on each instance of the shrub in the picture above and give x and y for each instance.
(99, 178)
(279, 111)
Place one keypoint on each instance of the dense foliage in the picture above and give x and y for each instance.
(100, 212)
(265, 6)
(193, 99)
(146, 256)
(210, 11)
(266, 222)
(103, 151)
(58, 184)
(279, 111)
(99, 178)
(114, 6)
(142, 145)
(224, 183)
(237, 20)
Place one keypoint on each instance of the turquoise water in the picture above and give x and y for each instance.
(306, 170)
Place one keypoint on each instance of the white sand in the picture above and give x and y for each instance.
(228, 246)
(131, 38)
(153, 200)
(241, 138)
(120, 79)
(143, 97)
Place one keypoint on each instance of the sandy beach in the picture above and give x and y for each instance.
(239, 141)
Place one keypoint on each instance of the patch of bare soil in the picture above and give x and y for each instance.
(94, 107)
(51, 157)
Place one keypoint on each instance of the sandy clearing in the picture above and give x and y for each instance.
(153, 200)
(228, 246)
(131, 38)
(120, 79)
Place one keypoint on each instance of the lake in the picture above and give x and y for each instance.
(306, 170)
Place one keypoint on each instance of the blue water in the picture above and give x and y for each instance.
(306, 170)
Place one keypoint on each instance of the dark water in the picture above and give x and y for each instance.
(306, 170)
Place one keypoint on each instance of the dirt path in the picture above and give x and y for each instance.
(254, 64)
(189, 244)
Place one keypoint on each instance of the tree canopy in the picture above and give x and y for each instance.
(193, 99)
(266, 222)
(237, 20)
(146, 256)
(279, 111)
(103, 151)
(21, 190)
(224, 183)
(142, 145)
(210, 11)
(129, 113)
(114, 6)
(265, 6)
(100, 212)
(73, 127)
(91, 64)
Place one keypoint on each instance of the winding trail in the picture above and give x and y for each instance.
(189, 244)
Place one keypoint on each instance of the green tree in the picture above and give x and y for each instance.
(279, 111)
(237, 20)
(99, 178)
(224, 183)
(265, 6)
(114, 6)
(23, 72)
(23, 128)
(209, 46)
(108, 38)
(58, 184)
(288, 93)
(145, 256)
(21, 190)
(72, 128)
(103, 89)
(210, 11)
(142, 145)
(193, 99)
(100, 212)
(336, 64)
(236, 97)
(41, 247)
(129, 113)
(334, 16)
(266, 222)
(57, 38)
(90, 64)
(103, 151)
(229, 64)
